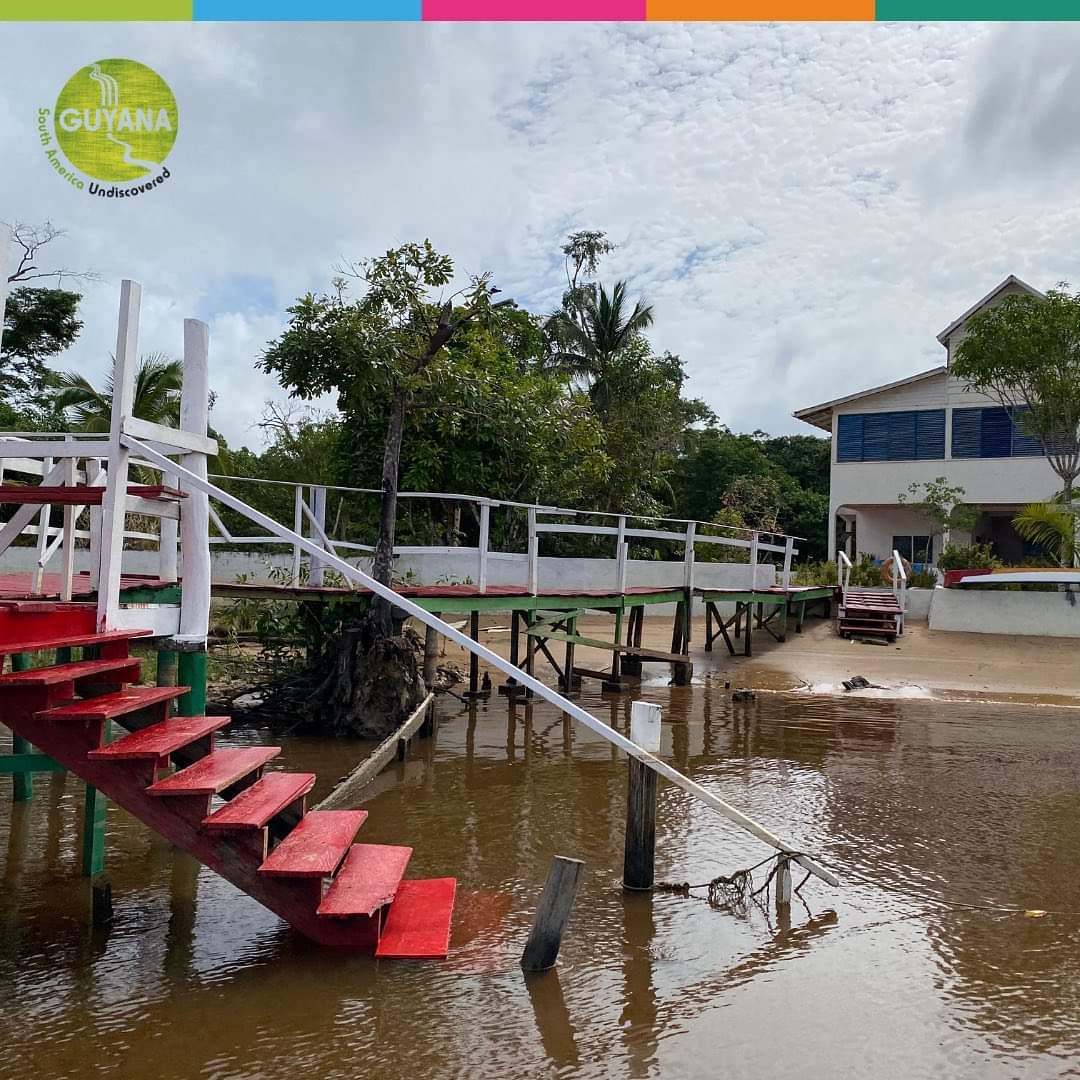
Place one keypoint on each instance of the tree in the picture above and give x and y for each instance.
(1051, 526)
(1024, 352)
(38, 323)
(158, 382)
(943, 503)
(393, 341)
(591, 333)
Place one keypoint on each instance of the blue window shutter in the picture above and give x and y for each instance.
(876, 436)
(930, 434)
(966, 433)
(902, 436)
(997, 431)
(849, 438)
(1023, 445)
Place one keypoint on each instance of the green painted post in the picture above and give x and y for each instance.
(191, 672)
(94, 812)
(22, 783)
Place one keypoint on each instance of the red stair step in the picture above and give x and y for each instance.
(418, 923)
(266, 798)
(368, 879)
(124, 669)
(108, 706)
(160, 740)
(316, 846)
(74, 640)
(216, 771)
(75, 495)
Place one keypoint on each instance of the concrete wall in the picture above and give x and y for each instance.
(456, 566)
(1029, 614)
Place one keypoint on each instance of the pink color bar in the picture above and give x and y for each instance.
(532, 10)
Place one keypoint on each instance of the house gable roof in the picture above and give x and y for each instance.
(1012, 279)
(821, 415)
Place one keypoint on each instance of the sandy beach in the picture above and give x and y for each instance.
(997, 667)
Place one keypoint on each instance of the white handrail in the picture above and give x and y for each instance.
(523, 678)
(899, 579)
(843, 572)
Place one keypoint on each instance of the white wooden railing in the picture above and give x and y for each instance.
(104, 460)
(182, 455)
(310, 507)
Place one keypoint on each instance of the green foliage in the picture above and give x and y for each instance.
(715, 458)
(968, 557)
(158, 381)
(821, 572)
(922, 579)
(1025, 351)
(1051, 526)
(942, 503)
(38, 323)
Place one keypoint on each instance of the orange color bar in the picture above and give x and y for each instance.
(762, 10)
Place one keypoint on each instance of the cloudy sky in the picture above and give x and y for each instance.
(805, 206)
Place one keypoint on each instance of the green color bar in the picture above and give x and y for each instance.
(98, 10)
(191, 672)
(23, 788)
(63, 654)
(973, 10)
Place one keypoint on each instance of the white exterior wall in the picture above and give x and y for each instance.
(1029, 614)
(868, 490)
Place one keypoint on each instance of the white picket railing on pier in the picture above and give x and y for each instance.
(311, 500)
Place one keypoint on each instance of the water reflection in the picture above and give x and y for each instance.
(957, 803)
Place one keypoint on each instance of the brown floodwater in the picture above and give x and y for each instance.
(916, 803)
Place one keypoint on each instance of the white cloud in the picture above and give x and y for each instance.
(804, 205)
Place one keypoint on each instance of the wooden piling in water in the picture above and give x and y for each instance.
(552, 914)
(639, 853)
(783, 883)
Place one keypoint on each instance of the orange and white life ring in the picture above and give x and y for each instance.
(887, 569)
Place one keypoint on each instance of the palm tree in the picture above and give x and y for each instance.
(157, 395)
(590, 333)
(1053, 527)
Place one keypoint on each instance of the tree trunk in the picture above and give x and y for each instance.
(376, 678)
(383, 566)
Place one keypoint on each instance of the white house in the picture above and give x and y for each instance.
(915, 430)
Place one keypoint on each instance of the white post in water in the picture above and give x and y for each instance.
(639, 853)
(753, 561)
(114, 502)
(194, 509)
(534, 553)
(482, 547)
(318, 511)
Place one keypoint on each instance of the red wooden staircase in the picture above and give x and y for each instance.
(870, 613)
(221, 804)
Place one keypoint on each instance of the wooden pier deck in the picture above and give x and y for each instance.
(770, 608)
(540, 623)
